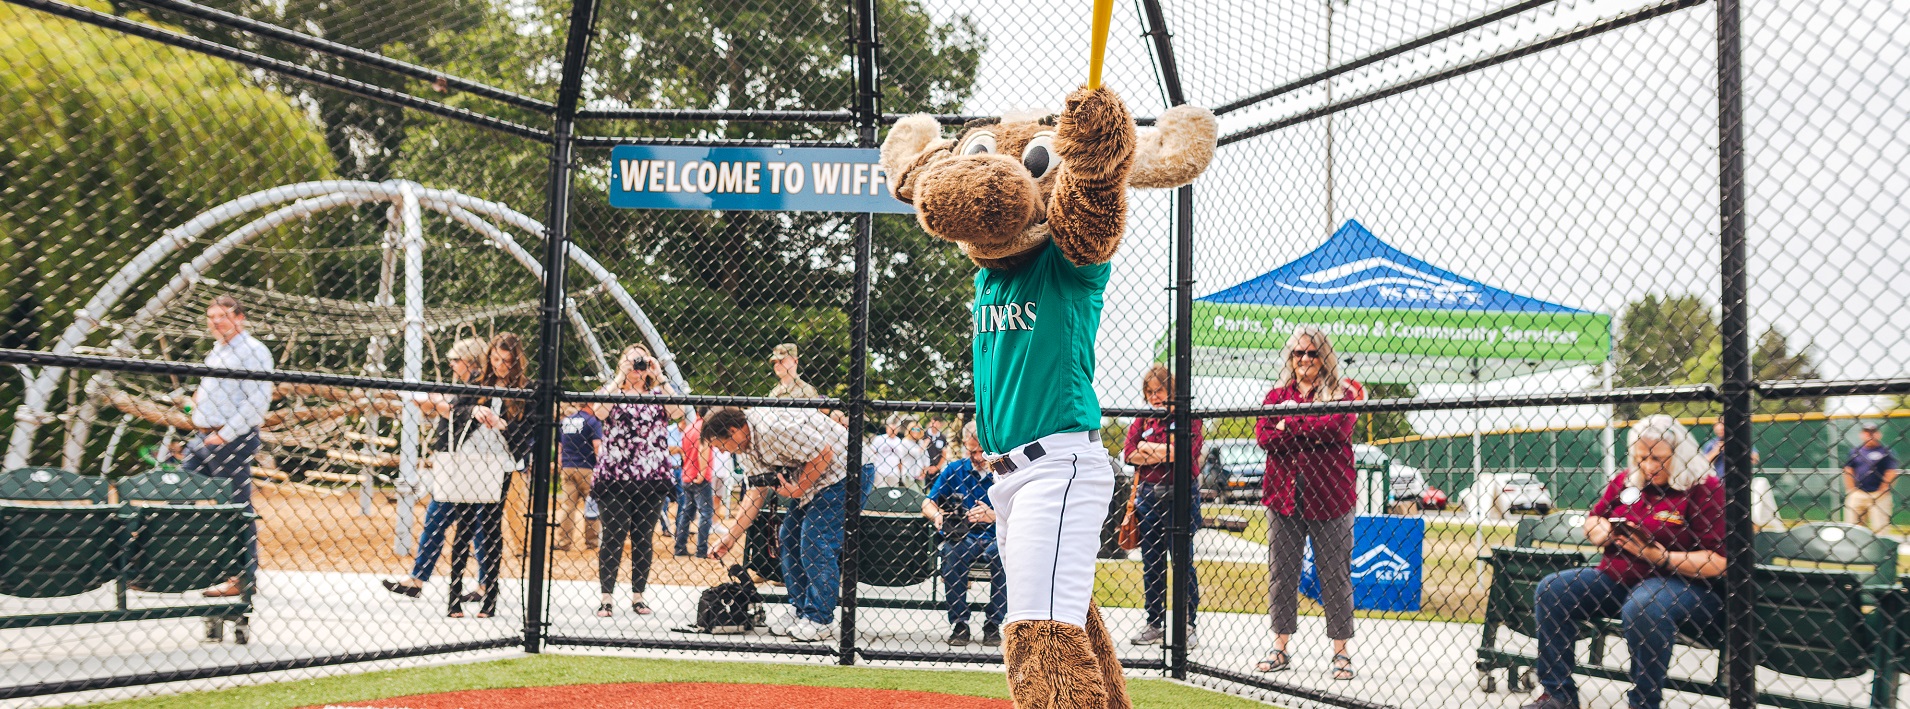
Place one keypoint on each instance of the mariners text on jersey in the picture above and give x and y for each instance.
(1034, 349)
(996, 318)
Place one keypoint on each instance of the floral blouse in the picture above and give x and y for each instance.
(636, 444)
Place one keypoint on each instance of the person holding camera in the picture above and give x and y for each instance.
(1662, 526)
(632, 484)
(802, 455)
(958, 505)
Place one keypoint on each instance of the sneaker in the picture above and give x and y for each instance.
(1150, 635)
(991, 635)
(960, 636)
(1193, 640)
(1547, 701)
(784, 620)
(804, 630)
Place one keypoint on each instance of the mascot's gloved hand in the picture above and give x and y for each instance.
(1095, 137)
(1003, 188)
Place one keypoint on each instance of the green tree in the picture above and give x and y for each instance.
(363, 135)
(107, 140)
(1657, 336)
(1771, 360)
(723, 287)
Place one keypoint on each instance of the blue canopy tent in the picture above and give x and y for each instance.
(1392, 317)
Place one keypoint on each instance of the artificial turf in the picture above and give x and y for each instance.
(548, 669)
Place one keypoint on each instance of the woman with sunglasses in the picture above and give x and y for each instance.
(1309, 493)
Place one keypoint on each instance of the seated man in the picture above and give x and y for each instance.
(958, 505)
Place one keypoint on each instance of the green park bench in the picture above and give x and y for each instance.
(1816, 583)
(58, 538)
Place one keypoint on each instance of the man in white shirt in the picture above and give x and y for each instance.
(802, 455)
(886, 452)
(228, 413)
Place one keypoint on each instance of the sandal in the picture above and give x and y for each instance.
(473, 597)
(604, 611)
(402, 589)
(1276, 661)
(640, 607)
(1342, 667)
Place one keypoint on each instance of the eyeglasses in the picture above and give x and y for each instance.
(1297, 354)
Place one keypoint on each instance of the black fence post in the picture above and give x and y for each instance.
(1181, 541)
(1184, 423)
(551, 314)
(867, 115)
(1737, 387)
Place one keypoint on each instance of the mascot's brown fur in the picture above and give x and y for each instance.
(1002, 189)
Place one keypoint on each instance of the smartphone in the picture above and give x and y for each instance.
(1624, 526)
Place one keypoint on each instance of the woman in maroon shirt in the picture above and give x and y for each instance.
(1308, 491)
(1662, 526)
(1150, 449)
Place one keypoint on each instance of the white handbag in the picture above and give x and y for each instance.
(473, 470)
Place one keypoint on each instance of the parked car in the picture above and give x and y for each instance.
(1406, 482)
(1243, 463)
(1501, 494)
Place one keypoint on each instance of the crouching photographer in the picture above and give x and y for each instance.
(799, 454)
(958, 505)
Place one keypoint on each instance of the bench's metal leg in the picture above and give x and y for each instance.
(1597, 649)
(215, 629)
(242, 630)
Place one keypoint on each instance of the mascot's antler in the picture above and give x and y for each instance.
(1176, 150)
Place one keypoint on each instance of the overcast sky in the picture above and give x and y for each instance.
(1584, 175)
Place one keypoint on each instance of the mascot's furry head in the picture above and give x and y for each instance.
(1002, 188)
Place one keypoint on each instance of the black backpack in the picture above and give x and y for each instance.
(729, 608)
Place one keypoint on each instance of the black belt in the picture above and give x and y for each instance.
(1006, 463)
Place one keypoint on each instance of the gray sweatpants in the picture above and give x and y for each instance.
(1332, 561)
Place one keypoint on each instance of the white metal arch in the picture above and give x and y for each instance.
(408, 198)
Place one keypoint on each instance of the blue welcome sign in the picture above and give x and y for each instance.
(751, 179)
(1388, 563)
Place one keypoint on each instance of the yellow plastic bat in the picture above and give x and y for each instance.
(1098, 46)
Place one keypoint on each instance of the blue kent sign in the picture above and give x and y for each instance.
(751, 179)
(1388, 565)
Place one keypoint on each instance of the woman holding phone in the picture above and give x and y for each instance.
(632, 483)
(1662, 526)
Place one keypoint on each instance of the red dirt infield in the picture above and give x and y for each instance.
(677, 695)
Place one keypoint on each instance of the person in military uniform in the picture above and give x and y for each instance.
(1039, 202)
(789, 384)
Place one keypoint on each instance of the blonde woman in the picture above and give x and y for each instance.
(632, 483)
(1309, 493)
(1662, 526)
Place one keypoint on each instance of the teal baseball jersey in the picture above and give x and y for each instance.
(1034, 349)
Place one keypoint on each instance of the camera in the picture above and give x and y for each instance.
(774, 477)
(642, 365)
(955, 522)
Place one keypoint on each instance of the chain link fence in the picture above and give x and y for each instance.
(334, 351)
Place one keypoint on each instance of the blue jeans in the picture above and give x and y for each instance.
(1155, 519)
(437, 520)
(694, 504)
(231, 462)
(809, 546)
(957, 557)
(1652, 612)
